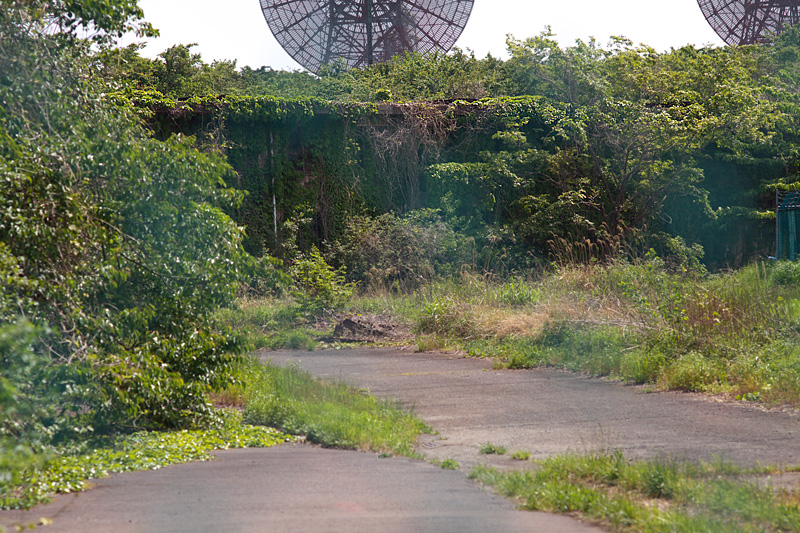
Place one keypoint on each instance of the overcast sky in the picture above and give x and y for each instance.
(236, 29)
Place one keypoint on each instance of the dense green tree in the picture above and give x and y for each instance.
(624, 141)
(114, 241)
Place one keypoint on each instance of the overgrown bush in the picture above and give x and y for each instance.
(113, 244)
(23, 411)
(402, 253)
(317, 285)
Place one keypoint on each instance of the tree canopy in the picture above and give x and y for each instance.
(114, 246)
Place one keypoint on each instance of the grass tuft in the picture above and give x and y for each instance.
(329, 414)
(449, 464)
(653, 495)
(521, 455)
(492, 449)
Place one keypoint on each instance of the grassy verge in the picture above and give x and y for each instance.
(329, 414)
(287, 398)
(271, 323)
(733, 333)
(658, 495)
(69, 468)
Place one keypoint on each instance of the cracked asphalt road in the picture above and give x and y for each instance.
(289, 488)
(304, 488)
(549, 412)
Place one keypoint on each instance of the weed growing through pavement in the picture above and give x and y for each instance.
(449, 464)
(492, 449)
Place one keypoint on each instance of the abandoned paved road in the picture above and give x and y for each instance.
(289, 488)
(549, 412)
(304, 488)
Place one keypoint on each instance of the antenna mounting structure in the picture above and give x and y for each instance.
(740, 22)
(357, 33)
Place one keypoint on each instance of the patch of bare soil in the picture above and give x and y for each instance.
(368, 328)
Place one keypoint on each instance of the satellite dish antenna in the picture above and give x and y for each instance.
(740, 22)
(357, 33)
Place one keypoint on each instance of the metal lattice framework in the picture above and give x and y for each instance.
(361, 32)
(749, 21)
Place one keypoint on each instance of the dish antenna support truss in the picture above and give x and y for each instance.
(740, 22)
(357, 33)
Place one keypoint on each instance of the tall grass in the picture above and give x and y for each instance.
(330, 414)
(269, 323)
(734, 333)
(655, 495)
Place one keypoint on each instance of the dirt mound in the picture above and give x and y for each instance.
(372, 328)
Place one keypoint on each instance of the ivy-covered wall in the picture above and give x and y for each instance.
(307, 165)
(532, 166)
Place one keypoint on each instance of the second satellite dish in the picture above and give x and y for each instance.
(740, 22)
(357, 33)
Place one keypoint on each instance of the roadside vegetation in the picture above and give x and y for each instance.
(673, 327)
(259, 399)
(116, 250)
(68, 468)
(656, 495)
(329, 414)
(604, 210)
(731, 333)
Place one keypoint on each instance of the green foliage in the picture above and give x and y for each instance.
(327, 414)
(491, 449)
(176, 73)
(73, 467)
(785, 273)
(317, 285)
(521, 455)
(101, 21)
(115, 245)
(446, 316)
(293, 340)
(609, 488)
(578, 347)
(266, 277)
(733, 333)
(401, 253)
(598, 151)
(266, 322)
(449, 464)
(21, 423)
(517, 293)
(436, 76)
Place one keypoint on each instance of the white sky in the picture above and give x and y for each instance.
(236, 29)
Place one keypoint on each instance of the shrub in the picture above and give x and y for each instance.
(786, 273)
(443, 316)
(693, 372)
(317, 285)
(22, 408)
(400, 253)
(642, 364)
